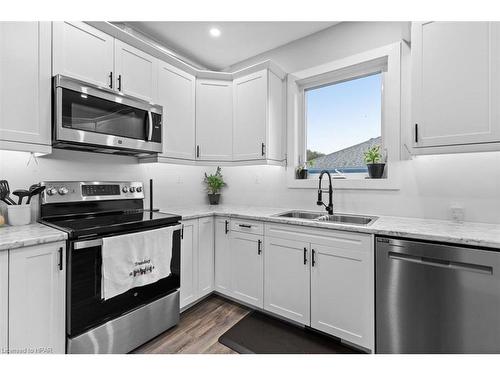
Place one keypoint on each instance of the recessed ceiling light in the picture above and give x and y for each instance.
(215, 32)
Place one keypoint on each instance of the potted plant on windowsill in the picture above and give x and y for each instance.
(374, 162)
(215, 182)
(301, 172)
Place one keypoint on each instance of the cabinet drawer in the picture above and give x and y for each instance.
(247, 226)
(327, 237)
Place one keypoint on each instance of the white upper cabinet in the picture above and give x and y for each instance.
(176, 93)
(25, 86)
(189, 263)
(247, 267)
(286, 269)
(83, 52)
(222, 256)
(206, 256)
(258, 117)
(250, 116)
(455, 83)
(37, 304)
(136, 72)
(214, 120)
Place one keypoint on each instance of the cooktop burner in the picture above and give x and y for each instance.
(112, 208)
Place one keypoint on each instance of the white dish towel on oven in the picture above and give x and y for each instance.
(135, 259)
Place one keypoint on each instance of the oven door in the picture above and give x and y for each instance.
(85, 307)
(92, 116)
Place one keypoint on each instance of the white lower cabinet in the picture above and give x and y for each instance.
(222, 256)
(247, 268)
(322, 278)
(4, 300)
(37, 280)
(189, 262)
(342, 289)
(205, 256)
(197, 260)
(286, 275)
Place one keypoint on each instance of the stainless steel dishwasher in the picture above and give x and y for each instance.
(434, 298)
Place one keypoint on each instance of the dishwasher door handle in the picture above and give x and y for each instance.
(434, 262)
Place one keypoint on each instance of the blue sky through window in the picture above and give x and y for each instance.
(344, 114)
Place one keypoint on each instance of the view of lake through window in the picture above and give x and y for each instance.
(343, 120)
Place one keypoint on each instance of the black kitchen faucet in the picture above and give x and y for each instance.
(328, 208)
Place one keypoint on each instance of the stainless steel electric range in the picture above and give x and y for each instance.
(89, 212)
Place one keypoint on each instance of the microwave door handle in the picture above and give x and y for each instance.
(150, 126)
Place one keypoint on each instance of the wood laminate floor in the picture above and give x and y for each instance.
(198, 330)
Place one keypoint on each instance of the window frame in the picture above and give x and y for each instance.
(386, 60)
(357, 72)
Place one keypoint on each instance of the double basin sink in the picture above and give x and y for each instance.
(335, 218)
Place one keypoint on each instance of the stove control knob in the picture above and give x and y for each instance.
(63, 190)
(125, 189)
(138, 189)
(132, 189)
(51, 191)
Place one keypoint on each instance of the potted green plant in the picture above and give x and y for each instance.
(215, 182)
(373, 159)
(301, 172)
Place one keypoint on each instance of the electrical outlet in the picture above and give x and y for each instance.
(179, 179)
(457, 213)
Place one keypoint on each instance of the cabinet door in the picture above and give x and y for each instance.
(176, 93)
(286, 279)
(83, 52)
(136, 72)
(189, 263)
(342, 288)
(206, 256)
(4, 300)
(37, 283)
(250, 116)
(247, 266)
(25, 82)
(222, 256)
(214, 120)
(456, 83)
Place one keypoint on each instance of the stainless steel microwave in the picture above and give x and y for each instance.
(93, 118)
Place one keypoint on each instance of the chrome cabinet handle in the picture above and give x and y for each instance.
(244, 225)
(305, 255)
(263, 149)
(259, 247)
(313, 260)
(119, 82)
(226, 229)
(110, 80)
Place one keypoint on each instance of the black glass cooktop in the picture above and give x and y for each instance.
(86, 225)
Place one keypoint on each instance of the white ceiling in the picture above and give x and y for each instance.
(237, 42)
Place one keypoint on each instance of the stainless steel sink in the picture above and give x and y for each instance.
(335, 218)
(348, 219)
(301, 214)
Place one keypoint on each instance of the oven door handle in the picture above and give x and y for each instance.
(86, 244)
(150, 126)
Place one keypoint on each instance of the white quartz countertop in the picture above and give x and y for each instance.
(12, 237)
(467, 233)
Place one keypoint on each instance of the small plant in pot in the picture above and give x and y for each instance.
(301, 172)
(374, 162)
(215, 182)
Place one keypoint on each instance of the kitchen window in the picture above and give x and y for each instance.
(340, 109)
(342, 120)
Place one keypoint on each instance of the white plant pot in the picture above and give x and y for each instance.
(19, 214)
